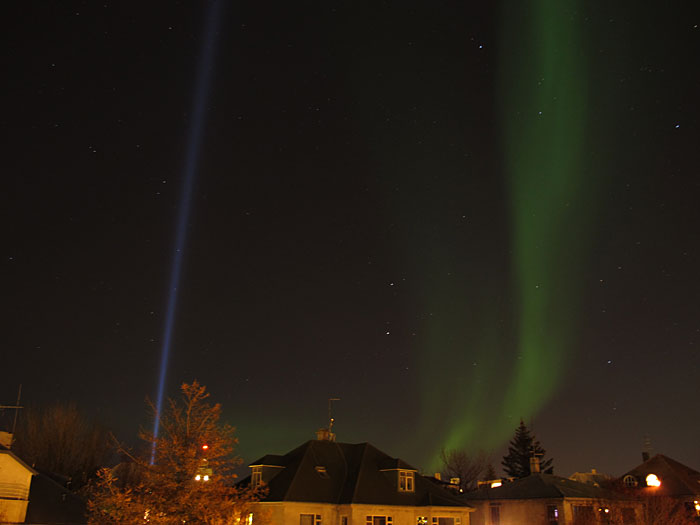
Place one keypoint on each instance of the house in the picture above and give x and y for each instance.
(28, 496)
(592, 478)
(323, 482)
(15, 481)
(667, 478)
(551, 500)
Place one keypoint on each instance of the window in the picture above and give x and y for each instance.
(437, 520)
(309, 519)
(552, 515)
(630, 481)
(256, 477)
(583, 515)
(406, 480)
(422, 520)
(379, 520)
(495, 513)
(321, 471)
(343, 520)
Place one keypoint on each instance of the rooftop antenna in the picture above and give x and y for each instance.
(330, 418)
(16, 407)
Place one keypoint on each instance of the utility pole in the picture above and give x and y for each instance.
(16, 407)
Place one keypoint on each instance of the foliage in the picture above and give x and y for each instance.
(192, 478)
(665, 510)
(467, 467)
(521, 448)
(60, 440)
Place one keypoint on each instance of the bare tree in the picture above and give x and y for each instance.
(60, 440)
(467, 467)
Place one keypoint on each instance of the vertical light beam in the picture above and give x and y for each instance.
(194, 146)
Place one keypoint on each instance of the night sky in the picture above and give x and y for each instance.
(450, 215)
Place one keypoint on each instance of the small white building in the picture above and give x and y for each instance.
(15, 481)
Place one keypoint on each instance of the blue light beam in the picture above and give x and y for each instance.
(194, 146)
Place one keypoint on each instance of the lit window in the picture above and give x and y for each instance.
(309, 519)
(496, 484)
(552, 515)
(406, 480)
(256, 476)
(379, 520)
(422, 520)
(322, 472)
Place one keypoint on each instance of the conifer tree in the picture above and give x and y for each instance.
(521, 448)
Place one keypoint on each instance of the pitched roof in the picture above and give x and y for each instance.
(51, 503)
(9, 453)
(539, 486)
(351, 473)
(676, 478)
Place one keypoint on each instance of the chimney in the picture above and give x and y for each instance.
(323, 434)
(646, 450)
(534, 464)
(438, 476)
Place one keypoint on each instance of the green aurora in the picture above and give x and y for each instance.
(542, 106)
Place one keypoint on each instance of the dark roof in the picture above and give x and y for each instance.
(51, 503)
(539, 486)
(676, 478)
(353, 473)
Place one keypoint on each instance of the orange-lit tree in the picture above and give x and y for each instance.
(191, 479)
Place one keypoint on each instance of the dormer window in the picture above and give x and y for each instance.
(256, 476)
(407, 481)
(630, 481)
(321, 471)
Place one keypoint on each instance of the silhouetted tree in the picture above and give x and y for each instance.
(521, 448)
(463, 465)
(59, 440)
(191, 480)
(489, 473)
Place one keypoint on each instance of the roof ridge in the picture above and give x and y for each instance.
(296, 470)
(359, 471)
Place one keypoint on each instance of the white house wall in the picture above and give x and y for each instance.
(15, 481)
(289, 513)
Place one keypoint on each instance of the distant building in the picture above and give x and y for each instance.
(593, 477)
(551, 500)
(323, 482)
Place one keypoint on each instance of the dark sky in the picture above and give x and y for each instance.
(360, 221)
